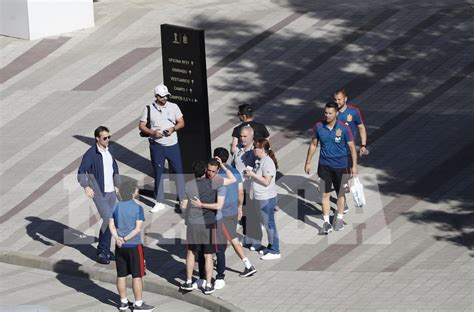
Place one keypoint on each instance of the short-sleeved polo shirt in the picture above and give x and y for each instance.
(161, 118)
(352, 117)
(333, 143)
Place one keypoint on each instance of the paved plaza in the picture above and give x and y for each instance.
(408, 65)
(35, 290)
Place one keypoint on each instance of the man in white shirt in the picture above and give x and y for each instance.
(165, 120)
(98, 174)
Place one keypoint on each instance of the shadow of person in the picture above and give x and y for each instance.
(301, 198)
(162, 261)
(61, 234)
(70, 275)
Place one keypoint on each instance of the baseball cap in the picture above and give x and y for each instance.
(161, 90)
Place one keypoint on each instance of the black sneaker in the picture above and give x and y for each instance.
(125, 306)
(187, 286)
(248, 272)
(144, 307)
(111, 256)
(209, 289)
(103, 258)
(327, 228)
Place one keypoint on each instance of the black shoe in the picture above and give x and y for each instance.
(125, 306)
(144, 307)
(103, 258)
(327, 228)
(111, 256)
(209, 289)
(248, 272)
(187, 286)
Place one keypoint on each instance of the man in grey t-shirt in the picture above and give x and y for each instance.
(165, 119)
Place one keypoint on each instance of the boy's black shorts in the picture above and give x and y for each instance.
(130, 260)
(333, 176)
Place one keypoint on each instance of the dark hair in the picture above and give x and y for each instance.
(265, 144)
(332, 105)
(341, 91)
(127, 188)
(213, 162)
(246, 109)
(199, 168)
(222, 153)
(99, 130)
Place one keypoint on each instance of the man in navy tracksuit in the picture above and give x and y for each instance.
(98, 174)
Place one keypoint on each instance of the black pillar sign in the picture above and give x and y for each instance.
(185, 75)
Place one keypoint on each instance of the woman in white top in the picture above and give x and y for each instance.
(263, 185)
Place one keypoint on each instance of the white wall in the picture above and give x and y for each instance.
(14, 18)
(33, 19)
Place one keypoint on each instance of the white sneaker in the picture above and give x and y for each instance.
(256, 247)
(270, 256)
(219, 284)
(157, 207)
(200, 283)
(263, 251)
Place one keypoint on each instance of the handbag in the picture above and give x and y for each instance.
(148, 123)
(357, 190)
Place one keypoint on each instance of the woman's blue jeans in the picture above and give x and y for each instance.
(267, 208)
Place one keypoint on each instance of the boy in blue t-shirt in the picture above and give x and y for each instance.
(125, 225)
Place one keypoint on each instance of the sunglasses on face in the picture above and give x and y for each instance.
(163, 97)
(106, 138)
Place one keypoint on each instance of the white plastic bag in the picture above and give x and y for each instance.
(357, 190)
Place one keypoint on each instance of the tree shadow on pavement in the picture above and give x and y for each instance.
(70, 274)
(456, 224)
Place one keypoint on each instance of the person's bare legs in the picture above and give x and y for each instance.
(209, 266)
(190, 258)
(121, 287)
(341, 202)
(237, 248)
(325, 202)
(137, 286)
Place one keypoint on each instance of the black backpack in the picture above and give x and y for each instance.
(148, 122)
